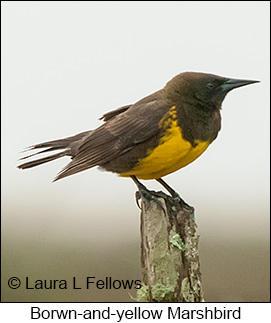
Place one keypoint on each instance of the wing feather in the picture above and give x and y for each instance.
(119, 134)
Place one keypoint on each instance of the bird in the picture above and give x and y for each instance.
(157, 135)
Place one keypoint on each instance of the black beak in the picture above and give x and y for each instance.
(231, 84)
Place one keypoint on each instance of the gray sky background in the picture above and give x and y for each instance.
(65, 64)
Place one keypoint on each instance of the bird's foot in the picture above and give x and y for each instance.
(146, 196)
(176, 197)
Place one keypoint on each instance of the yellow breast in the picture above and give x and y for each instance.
(172, 153)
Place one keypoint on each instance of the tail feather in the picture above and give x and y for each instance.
(41, 160)
(39, 152)
(69, 145)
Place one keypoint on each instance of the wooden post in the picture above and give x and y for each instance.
(169, 253)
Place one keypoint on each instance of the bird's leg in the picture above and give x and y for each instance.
(172, 192)
(145, 193)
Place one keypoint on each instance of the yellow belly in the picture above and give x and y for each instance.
(172, 153)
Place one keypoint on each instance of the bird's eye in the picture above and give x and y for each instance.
(210, 86)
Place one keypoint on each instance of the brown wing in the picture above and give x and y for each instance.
(111, 114)
(119, 134)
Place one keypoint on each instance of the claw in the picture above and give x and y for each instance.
(150, 196)
(138, 197)
(144, 193)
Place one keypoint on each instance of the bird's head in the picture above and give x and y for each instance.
(206, 90)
